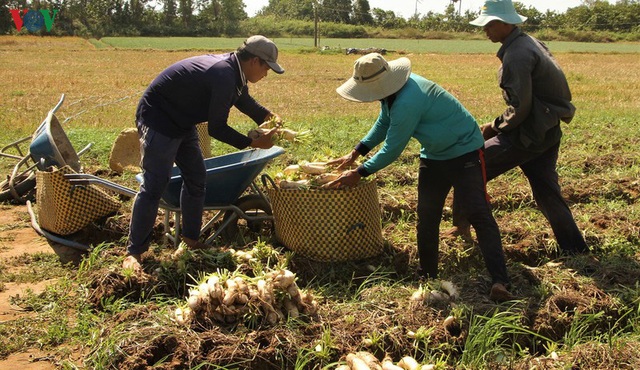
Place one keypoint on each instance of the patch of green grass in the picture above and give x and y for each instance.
(305, 44)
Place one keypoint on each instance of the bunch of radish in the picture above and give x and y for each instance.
(363, 360)
(306, 175)
(281, 132)
(271, 297)
(447, 292)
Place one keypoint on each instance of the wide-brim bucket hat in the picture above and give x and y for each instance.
(374, 78)
(502, 10)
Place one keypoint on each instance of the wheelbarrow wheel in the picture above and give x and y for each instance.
(24, 185)
(240, 228)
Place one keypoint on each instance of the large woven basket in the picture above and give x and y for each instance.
(328, 224)
(65, 209)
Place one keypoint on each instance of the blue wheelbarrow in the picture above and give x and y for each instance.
(49, 146)
(231, 194)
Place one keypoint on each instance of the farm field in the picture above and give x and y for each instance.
(413, 46)
(61, 309)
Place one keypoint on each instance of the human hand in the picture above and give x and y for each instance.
(265, 140)
(347, 179)
(345, 161)
(487, 131)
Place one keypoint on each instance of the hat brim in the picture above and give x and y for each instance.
(389, 83)
(275, 67)
(511, 18)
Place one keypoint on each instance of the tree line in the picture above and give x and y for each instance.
(336, 18)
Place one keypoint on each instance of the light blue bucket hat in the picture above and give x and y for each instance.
(501, 10)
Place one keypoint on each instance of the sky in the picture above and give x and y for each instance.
(407, 8)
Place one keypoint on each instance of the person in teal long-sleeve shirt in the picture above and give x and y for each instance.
(450, 155)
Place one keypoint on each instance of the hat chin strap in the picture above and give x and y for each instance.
(362, 78)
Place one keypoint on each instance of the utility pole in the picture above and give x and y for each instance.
(315, 24)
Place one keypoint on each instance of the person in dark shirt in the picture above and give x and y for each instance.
(198, 89)
(527, 134)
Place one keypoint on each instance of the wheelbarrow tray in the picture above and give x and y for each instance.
(228, 176)
(50, 146)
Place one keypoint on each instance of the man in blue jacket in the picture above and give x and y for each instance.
(451, 155)
(194, 90)
(527, 134)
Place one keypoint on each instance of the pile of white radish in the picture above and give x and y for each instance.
(273, 297)
(306, 175)
(363, 360)
(448, 292)
(281, 132)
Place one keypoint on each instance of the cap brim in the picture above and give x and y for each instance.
(390, 83)
(275, 67)
(483, 20)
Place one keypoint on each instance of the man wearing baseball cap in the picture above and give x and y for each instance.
(527, 134)
(198, 89)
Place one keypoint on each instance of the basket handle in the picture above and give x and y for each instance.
(265, 177)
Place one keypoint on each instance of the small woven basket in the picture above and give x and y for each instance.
(328, 224)
(65, 209)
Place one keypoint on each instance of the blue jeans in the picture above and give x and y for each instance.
(540, 170)
(466, 175)
(159, 153)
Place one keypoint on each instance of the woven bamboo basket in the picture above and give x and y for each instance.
(65, 209)
(328, 224)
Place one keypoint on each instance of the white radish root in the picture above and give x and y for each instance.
(408, 363)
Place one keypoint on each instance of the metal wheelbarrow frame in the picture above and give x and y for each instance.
(229, 176)
(49, 146)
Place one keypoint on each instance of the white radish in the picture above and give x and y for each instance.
(300, 184)
(437, 296)
(290, 307)
(370, 360)
(408, 363)
(291, 135)
(182, 315)
(387, 364)
(325, 178)
(313, 168)
(194, 302)
(450, 288)
(290, 170)
(418, 296)
(285, 279)
(230, 293)
(356, 363)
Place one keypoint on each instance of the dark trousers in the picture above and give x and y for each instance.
(540, 170)
(465, 174)
(159, 153)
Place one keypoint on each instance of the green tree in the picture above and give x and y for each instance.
(185, 10)
(169, 12)
(338, 11)
(362, 12)
(290, 9)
